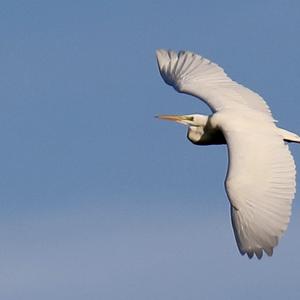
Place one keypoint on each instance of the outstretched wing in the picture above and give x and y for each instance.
(195, 75)
(260, 184)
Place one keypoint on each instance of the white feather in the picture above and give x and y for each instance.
(195, 75)
(260, 181)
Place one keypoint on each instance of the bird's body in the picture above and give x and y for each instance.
(260, 182)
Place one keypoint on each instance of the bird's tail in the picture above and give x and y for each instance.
(289, 136)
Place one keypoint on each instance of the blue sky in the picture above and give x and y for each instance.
(99, 200)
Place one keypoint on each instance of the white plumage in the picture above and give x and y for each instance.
(195, 75)
(260, 181)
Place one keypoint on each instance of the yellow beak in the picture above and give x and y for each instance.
(183, 119)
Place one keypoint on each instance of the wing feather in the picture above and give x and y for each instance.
(195, 75)
(260, 184)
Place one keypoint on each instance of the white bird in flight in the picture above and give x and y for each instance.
(260, 181)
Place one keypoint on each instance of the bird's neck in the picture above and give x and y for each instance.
(205, 133)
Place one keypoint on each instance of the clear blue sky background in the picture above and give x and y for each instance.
(99, 200)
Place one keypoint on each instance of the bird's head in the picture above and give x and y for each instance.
(195, 123)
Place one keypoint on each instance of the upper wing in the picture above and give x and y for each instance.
(195, 75)
(260, 184)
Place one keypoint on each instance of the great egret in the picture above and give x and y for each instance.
(260, 181)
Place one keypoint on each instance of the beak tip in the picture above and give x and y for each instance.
(174, 118)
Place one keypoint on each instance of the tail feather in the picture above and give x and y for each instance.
(289, 136)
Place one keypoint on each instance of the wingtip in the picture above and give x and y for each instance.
(258, 252)
(160, 53)
(161, 56)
